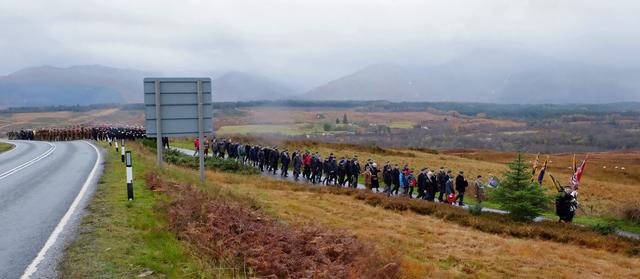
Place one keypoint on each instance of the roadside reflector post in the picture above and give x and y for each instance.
(122, 153)
(109, 140)
(116, 146)
(129, 164)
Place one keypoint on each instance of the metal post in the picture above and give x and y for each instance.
(122, 153)
(201, 131)
(129, 163)
(158, 125)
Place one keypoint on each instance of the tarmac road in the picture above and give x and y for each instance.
(43, 188)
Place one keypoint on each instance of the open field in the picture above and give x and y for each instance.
(425, 246)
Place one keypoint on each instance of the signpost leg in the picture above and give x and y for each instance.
(201, 131)
(159, 146)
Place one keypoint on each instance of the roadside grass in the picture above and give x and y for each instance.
(5, 147)
(121, 239)
(428, 246)
(414, 158)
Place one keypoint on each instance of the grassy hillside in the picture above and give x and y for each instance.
(604, 192)
(439, 244)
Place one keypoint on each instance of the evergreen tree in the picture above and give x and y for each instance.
(518, 194)
(344, 119)
(338, 120)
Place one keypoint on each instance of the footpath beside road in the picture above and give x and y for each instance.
(190, 152)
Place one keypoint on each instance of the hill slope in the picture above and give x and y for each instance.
(95, 84)
(83, 85)
(238, 86)
(487, 76)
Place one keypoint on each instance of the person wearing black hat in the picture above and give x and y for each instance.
(461, 187)
(422, 184)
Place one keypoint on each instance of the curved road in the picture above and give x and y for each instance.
(43, 188)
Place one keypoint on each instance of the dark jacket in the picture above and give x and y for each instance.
(395, 176)
(422, 181)
(461, 184)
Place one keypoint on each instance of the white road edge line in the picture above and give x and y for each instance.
(33, 267)
(28, 163)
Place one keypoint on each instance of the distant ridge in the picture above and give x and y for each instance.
(97, 84)
(489, 76)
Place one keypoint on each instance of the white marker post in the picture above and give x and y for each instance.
(129, 164)
(122, 153)
(116, 145)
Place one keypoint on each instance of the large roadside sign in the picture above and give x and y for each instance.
(178, 107)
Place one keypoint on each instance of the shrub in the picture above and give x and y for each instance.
(475, 209)
(234, 233)
(175, 157)
(604, 229)
(518, 194)
(631, 212)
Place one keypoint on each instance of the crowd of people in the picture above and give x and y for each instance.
(79, 133)
(439, 185)
(428, 184)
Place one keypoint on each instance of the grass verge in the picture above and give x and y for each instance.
(122, 239)
(5, 146)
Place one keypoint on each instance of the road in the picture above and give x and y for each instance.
(43, 189)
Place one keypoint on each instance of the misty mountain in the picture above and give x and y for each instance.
(82, 85)
(487, 75)
(238, 86)
(95, 84)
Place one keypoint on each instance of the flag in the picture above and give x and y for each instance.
(575, 179)
(535, 165)
(542, 170)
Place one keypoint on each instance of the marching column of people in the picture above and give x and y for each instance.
(103, 133)
(428, 184)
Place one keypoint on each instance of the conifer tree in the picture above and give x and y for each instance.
(344, 119)
(518, 194)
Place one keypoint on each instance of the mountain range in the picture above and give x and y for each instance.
(483, 75)
(96, 84)
(489, 76)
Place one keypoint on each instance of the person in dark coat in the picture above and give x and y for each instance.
(422, 184)
(375, 184)
(395, 175)
(432, 185)
(342, 166)
(566, 205)
(297, 165)
(274, 160)
(387, 177)
(284, 159)
(441, 180)
(461, 187)
(355, 172)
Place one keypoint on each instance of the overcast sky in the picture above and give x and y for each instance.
(306, 42)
